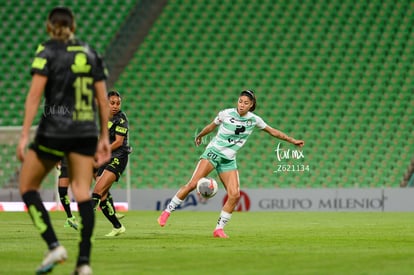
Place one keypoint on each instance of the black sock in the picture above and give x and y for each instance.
(40, 218)
(64, 199)
(109, 213)
(96, 199)
(87, 223)
(111, 201)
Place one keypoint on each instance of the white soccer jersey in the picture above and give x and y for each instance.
(233, 131)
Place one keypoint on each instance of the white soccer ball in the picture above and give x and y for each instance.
(207, 187)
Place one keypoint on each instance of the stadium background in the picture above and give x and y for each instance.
(337, 74)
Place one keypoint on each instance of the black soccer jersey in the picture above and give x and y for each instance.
(72, 69)
(118, 125)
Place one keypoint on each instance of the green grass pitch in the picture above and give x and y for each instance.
(260, 243)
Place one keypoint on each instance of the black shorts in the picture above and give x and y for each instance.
(116, 165)
(56, 148)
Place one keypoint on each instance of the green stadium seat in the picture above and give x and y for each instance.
(339, 75)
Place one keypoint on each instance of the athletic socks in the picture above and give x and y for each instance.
(175, 201)
(64, 199)
(87, 224)
(223, 219)
(111, 201)
(96, 199)
(40, 218)
(109, 213)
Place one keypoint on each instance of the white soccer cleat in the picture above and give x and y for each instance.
(52, 258)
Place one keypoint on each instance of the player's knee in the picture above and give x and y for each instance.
(233, 196)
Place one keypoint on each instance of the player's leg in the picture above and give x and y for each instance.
(97, 198)
(101, 189)
(204, 167)
(63, 185)
(231, 183)
(32, 173)
(117, 166)
(97, 190)
(111, 201)
(80, 176)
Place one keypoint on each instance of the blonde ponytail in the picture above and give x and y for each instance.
(63, 33)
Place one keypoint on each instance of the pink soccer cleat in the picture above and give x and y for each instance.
(162, 219)
(219, 233)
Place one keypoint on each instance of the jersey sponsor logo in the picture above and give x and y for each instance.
(248, 122)
(235, 141)
(121, 130)
(239, 129)
(81, 65)
(234, 120)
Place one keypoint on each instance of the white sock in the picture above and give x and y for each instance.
(175, 201)
(223, 219)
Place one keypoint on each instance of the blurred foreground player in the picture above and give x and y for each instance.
(72, 77)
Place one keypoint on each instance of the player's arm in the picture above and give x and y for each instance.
(280, 135)
(103, 152)
(206, 130)
(119, 140)
(121, 130)
(31, 106)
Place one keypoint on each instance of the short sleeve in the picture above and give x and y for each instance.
(121, 127)
(40, 63)
(219, 118)
(260, 123)
(100, 71)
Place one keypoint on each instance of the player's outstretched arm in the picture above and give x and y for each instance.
(280, 135)
(206, 130)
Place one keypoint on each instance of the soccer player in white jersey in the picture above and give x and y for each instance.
(235, 126)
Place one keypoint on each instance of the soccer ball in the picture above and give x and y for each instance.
(207, 187)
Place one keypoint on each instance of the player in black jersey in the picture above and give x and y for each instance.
(112, 171)
(72, 77)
